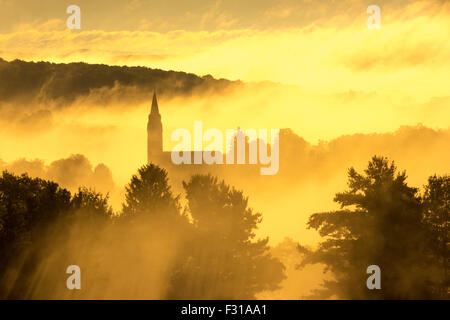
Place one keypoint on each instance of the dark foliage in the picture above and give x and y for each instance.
(45, 82)
(381, 223)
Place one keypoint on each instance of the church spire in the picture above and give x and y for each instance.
(154, 133)
(155, 109)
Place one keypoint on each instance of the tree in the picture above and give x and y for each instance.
(149, 200)
(225, 261)
(149, 193)
(436, 200)
(379, 224)
(151, 233)
(27, 204)
(42, 228)
(28, 209)
(91, 205)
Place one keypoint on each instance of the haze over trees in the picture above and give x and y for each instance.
(52, 82)
(151, 243)
(384, 222)
(233, 264)
(436, 206)
(160, 246)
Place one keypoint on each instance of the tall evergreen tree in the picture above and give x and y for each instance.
(379, 224)
(226, 261)
(149, 192)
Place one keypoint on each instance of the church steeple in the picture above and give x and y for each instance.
(154, 133)
(155, 109)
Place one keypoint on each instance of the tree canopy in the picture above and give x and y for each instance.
(225, 260)
(379, 223)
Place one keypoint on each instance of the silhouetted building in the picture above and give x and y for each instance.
(154, 133)
(155, 152)
(157, 155)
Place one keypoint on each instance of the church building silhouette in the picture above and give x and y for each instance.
(157, 155)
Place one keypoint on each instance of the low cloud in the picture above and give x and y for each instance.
(71, 173)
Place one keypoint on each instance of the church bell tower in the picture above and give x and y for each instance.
(154, 133)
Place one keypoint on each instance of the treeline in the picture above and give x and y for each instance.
(385, 222)
(49, 82)
(206, 248)
(153, 249)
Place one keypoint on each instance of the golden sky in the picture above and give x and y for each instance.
(321, 46)
(338, 77)
(344, 78)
